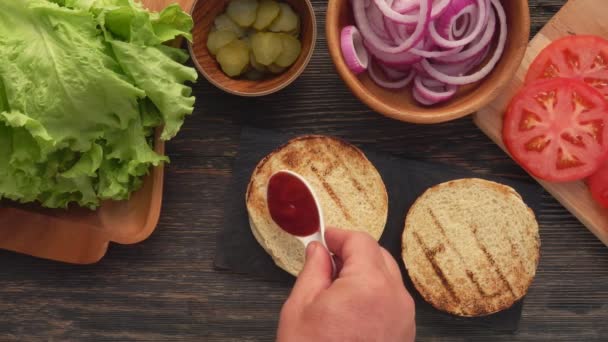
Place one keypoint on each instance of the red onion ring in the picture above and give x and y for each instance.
(434, 43)
(405, 14)
(422, 100)
(447, 24)
(483, 72)
(374, 40)
(394, 74)
(435, 54)
(393, 30)
(479, 25)
(395, 60)
(458, 31)
(433, 91)
(355, 54)
(411, 18)
(476, 47)
(376, 22)
(404, 6)
(389, 84)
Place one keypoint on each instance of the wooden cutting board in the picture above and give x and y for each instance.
(576, 17)
(82, 236)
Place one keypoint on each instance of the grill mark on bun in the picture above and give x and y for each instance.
(480, 289)
(495, 232)
(493, 262)
(291, 159)
(516, 252)
(331, 193)
(352, 178)
(450, 243)
(430, 256)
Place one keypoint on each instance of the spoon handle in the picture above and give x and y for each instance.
(321, 238)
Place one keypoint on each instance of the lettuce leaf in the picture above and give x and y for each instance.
(83, 85)
(166, 89)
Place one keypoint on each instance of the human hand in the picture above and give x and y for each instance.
(366, 302)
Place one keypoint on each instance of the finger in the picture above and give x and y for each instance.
(315, 276)
(391, 265)
(357, 250)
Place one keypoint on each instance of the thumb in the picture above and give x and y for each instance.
(315, 276)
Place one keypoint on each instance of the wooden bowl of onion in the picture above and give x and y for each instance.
(427, 61)
(252, 47)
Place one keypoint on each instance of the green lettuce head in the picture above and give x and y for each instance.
(83, 85)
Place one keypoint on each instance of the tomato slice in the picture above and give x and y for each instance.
(584, 58)
(598, 184)
(557, 129)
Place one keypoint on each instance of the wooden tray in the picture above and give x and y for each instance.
(576, 17)
(81, 236)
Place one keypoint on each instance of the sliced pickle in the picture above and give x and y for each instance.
(268, 10)
(234, 58)
(291, 50)
(296, 31)
(255, 64)
(243, 12)
(275, 69)
(266, 47)
(254, 75)
(287, 20)
(224, 23)
(247, 39)
(219, 39)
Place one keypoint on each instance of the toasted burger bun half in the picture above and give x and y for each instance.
(347, 185)
(471, 247)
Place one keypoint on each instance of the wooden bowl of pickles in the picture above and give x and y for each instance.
(252, 47)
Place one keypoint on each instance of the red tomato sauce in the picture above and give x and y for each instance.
(292, 205)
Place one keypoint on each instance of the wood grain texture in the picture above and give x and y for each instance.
(165, 289)
(575, 196)
(204, 14)
(82, 236)
(399, 103)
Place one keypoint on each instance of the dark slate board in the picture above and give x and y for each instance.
(405, 180)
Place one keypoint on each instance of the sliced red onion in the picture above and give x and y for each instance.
(435, 43)
(483, 72)
(422, 100)
(460, 68)
(403, 11)
(393, 59)
(393, 30)
(404, 6)
(435, 54)
(476, 47)
(397, 17)
(376, 22)
(394, 74)
(461, 24)
(433, 91)
(389, 84)
(355, 55)
(439, 8)
(479, 26)
(449, 25)
(457, 8)
(363, 24)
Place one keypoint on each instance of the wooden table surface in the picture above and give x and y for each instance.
(166, 288)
